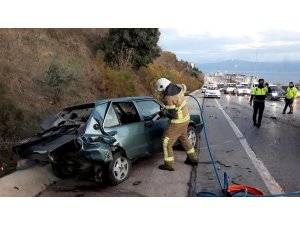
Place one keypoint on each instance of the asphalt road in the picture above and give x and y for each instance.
(267, 158)
(146, 180)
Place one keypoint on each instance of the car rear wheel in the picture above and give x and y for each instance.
(193, 136)
(63, 170)
(119, 169)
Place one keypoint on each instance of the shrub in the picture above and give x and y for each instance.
(129, 48)
(56, 80)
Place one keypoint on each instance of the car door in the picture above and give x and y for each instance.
(131, 133)
(148, 108)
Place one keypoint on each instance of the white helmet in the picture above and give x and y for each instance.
(162, 84)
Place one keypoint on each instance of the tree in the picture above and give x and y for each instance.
(130, 47)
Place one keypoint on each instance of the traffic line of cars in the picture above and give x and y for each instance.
(213, 90)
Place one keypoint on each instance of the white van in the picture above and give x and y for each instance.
(229, 88)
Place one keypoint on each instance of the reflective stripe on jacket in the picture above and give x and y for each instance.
(291, 92)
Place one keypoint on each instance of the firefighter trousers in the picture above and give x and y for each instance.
(173, 133)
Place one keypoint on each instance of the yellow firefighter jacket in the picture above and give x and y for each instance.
(175, 102)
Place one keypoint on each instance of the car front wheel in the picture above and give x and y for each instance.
(193, 136)
(119, 169)
(63, 170)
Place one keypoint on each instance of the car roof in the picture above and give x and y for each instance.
(99, 102)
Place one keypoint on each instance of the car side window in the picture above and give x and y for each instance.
(111, 118)
(126, 112)
(148, 108)
(101, 109)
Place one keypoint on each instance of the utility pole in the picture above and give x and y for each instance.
(257, 47)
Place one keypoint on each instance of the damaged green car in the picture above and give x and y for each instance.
(105, 135)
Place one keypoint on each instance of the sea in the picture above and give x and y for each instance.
(271, 76)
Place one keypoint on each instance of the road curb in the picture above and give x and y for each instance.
(27, 183)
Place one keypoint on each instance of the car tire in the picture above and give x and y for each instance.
(63, 170)
(119, 169)
(194, 137)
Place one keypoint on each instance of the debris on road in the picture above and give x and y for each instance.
(222, 164)
(137, 183)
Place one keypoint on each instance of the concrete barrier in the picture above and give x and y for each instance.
(27, 183)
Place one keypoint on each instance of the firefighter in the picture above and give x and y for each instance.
(258, 95)
(290, 94)
(176, 110)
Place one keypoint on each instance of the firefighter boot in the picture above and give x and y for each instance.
(166, 166)
(190, 162)
(191, 159)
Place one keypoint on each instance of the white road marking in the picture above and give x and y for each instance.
(269, 180)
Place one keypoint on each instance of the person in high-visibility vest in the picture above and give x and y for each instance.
(290, 94)
(176, 110)
(258, 95)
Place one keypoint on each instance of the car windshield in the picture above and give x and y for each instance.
(212, 88)
(241, 87)
(275, 88)
(284, 87)
(231, 85)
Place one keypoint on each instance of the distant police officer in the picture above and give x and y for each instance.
(290, 94)
(258, 95)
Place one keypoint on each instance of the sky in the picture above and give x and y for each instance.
(232, 29)
(200, 31)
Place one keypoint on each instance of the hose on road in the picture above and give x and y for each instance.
(232, 190)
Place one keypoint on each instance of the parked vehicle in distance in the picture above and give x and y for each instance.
(241, 90)
(245, 84)
(277, 93)
(221, 86)
(102, 137)
(212, 91)
(284, 87)
(298, 89)
(254, 84)
(204, 88)
(229, 88)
